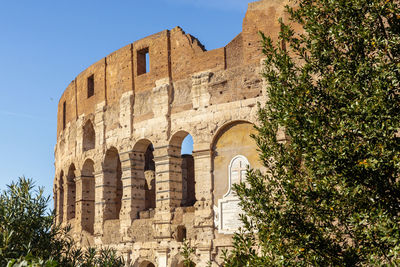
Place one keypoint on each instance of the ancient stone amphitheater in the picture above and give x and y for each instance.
(121, 179)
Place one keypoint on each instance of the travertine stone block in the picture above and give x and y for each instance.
(126, 114)
(200, 94)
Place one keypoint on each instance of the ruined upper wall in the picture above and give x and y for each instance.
(174, 55)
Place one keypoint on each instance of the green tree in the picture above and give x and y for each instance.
(29, 238)
(25, 224)
(187, 251)
(330, 195)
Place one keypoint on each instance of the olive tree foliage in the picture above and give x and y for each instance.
(25, 225)
(187, 251)
(29, 238)
(330, 195)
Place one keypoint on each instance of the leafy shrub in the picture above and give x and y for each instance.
(29, 238)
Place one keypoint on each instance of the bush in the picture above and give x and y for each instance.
(29, 238)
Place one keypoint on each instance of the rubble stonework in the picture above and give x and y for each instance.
(121, 180)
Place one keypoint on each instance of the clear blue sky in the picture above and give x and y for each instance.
(44, 44)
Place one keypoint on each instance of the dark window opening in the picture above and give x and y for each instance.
(90, 86)
(187, 167)
(143, 61)
(113, 177)
(149, 159)
(149, 174)
(180, 233)
(64, 114)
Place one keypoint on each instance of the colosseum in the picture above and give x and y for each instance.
(121, 178)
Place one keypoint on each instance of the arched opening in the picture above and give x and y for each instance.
(71, 194)
(183, 143)
(146, 264)
(112, 184)
(89, 136)
(180, 233)
(145, 171)
(233, 150)
(88, 196)
(231, 140)
(60, 195)
(182, 264)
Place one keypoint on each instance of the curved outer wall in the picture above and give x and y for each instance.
(105, 175)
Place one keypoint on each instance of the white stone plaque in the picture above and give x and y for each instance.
(228, 206)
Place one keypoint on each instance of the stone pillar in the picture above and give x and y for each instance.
(204, 214)
(168, 188)
(162, 257)
(205, 255)
(133, 195)
(200, 95)
(168, 177)
(99, 203)
(99, 124)
(85, 202)
(126, 254)
(56, 204)
(59, 204)
(79, 209)
(65, 201)
(161, 96)
(69, 200)
(126, 114)
(79, 135)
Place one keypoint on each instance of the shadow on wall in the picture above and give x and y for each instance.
(112, 177)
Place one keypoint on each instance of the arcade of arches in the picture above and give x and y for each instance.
(130, 188)
(79, 192)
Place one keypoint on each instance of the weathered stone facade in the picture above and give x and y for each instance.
(121, 180)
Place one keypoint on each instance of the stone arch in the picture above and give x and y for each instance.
(89, 136)
(146, 263)
(112, 184)
(88, 167)
(145, 170)
(71, 192)
(141, 145)
(224, 128)
(88, 196)
(186, 168)
(60, 196)
(231, 140)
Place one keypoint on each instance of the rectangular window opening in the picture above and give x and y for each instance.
(64, 114)
(90, 86)
(143, 61)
